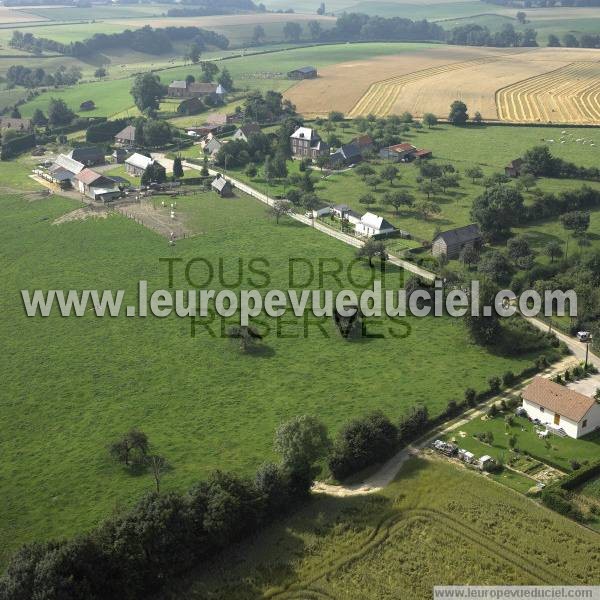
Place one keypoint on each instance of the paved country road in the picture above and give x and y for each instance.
(575, 346)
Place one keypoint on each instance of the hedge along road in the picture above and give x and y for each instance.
(348, 239)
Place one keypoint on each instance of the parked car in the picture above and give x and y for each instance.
(584, 336)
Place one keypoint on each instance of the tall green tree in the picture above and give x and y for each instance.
(458, 113)
(147, 91)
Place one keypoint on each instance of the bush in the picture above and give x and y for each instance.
(471, 396)
(508, 379)
(361, 443)
(495, 384)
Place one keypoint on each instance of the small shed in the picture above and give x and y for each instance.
(222, 187)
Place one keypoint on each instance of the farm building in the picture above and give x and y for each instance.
(88, 155)
(222, 187)
(560, 408)
(371, 225)
(404, 153)
(63, 171)
(450, 243)
(23, 125)
(126, 137)
(97, 186)
(303, 73)
(346, 155)
(306, 143)
(245, 131)
(514, 167)
(183, 89)
(136, 164)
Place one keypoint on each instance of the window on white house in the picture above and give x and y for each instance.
(542, 409)
(584, 424)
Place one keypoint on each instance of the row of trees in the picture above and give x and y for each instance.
(479, 35)
(146, 39)
(33, 78)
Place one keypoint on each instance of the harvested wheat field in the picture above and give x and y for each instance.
(570, 94)
(489, 81)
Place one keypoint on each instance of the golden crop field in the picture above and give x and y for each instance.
(383, 95)
(525, 85)
(570, 94)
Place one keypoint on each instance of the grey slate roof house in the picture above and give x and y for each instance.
(88, 155)
(450, 243)
(183, 89)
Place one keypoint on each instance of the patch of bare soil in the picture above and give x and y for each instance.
(81, 214)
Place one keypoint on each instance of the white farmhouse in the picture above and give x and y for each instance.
(371, 224)
(558, 407)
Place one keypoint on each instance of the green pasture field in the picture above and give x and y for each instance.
(560, 453)
(434, 525)
(73, 384)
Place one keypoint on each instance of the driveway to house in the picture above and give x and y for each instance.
(347, 239)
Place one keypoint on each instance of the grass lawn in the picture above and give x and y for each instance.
(72, 385)
(560, 453)
(436, 524)
(120, 171)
